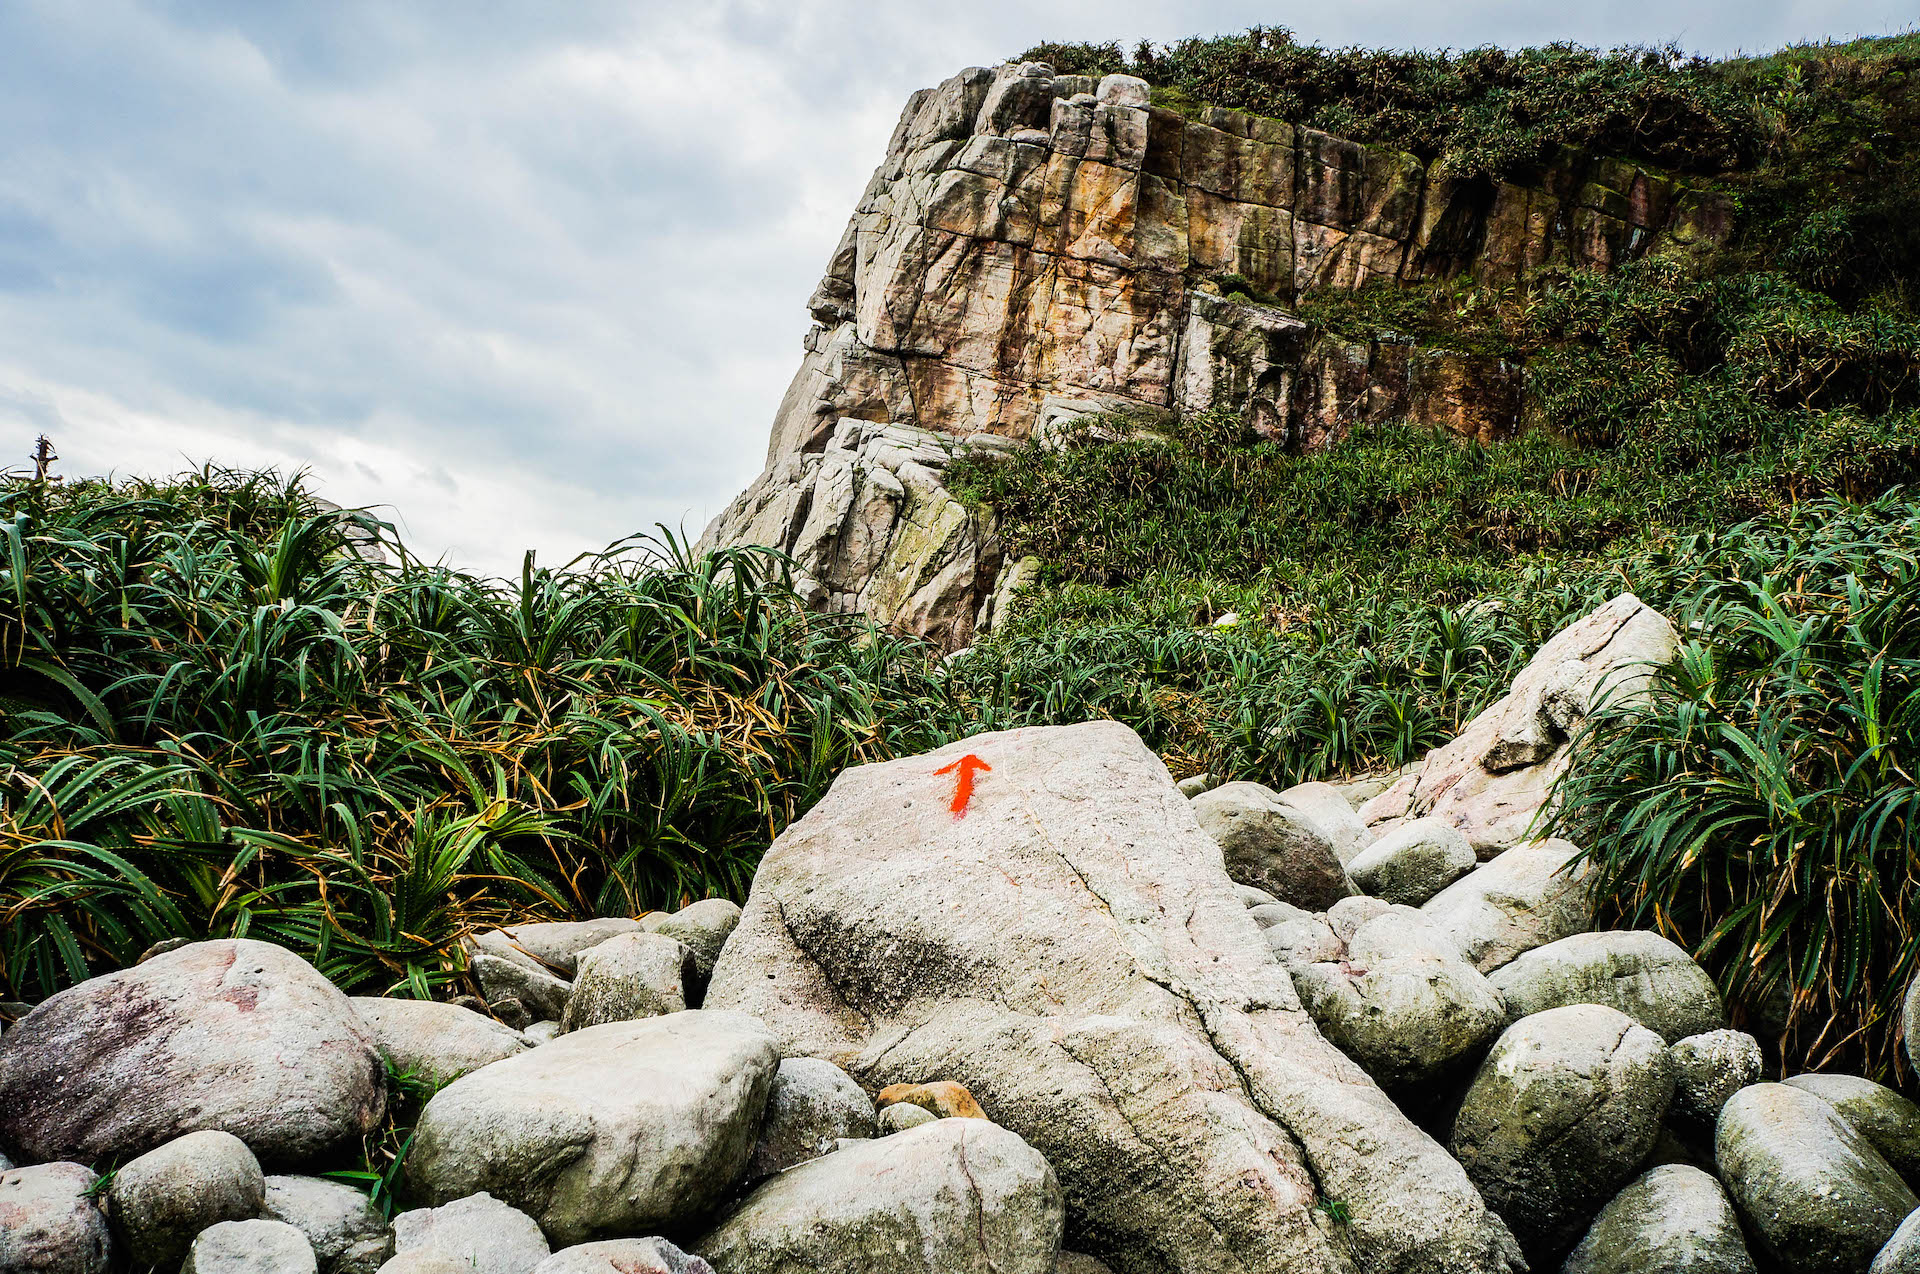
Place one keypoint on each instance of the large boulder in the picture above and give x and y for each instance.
(250, 1247)
(1709, 1068)
(1274, 846)
(955, 1196)
(433, 1042)
(632, 976)
(347, 1233)
(235, 1035)
(623, 1256)
(1494, 780)
(812, 1105)
(1403, 1003)
(617, 1129)
(1675, 1219)
(1527, 897)
(478, 1234)
(48, 1223)
(1642, 974)
(161, 1200)
(1413, 862)
(1813, 1192)
(1560, 1116)
(1073, 952)
(1889, 1122)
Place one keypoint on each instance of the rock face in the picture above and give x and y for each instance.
(48, 1224)
(623, 1128)
(1493, 781)
(1274, 845)
(435, 1042)
(1673, 1220)
(1033, 248)
(235, 1035)
(1073, 953)
(956, 1196)
(161, 1200)
(1642, 974)
(1813, 1192)
(1562, 1113)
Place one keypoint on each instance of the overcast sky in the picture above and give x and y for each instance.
(526, 275)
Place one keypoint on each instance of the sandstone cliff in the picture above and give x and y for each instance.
(1037, 246)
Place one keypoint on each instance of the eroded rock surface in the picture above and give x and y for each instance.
(1072, 951)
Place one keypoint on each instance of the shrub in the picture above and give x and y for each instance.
(218, 722)
(1765, 811)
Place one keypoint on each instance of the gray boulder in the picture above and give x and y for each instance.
(1889, 1122)
(250, 1247)
(812, 1105)
(1709, 1068)
(623, 1256)
(539, 1033)
(347, 1233)
(478, 1234)
(1329, 811)
(516, 987)
(1413, 862)
(235, 1035)
(1561, 1115)
(48, 1223)
(704, 927)
(956, 1196)
(1072, 952)
(1273, 846)
(433, 1042)
(1269, 914)
(621, 1129)
(1901, 1255)
(1813, 1192)
(1403, 1004)
(555, 945)
(1299, 943)
(632, 976)
(161, 1200)
(1674, 1219)
(1346, 916)
(1529, 896)
(1254, 897)
(1642, 974)
(902, 1116)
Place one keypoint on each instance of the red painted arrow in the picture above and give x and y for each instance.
(963, 787)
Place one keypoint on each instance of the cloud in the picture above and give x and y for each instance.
(529, 275)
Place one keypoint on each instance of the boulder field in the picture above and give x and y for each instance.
(1062, 1031)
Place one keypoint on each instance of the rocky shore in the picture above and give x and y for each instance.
(1086, 1021)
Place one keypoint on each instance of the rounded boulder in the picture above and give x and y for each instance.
(161, 1200)
(1561, 1114)
(1813, 1192)
(1651, 980)
(235, 1035)
(812, 1105)
(616, 1129)
(1674, 1219)
(1413, 862)
(48, 1222)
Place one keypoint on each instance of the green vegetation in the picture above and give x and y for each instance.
(216, 721)
(1765, 811)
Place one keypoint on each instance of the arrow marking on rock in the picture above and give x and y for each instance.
(963, 786)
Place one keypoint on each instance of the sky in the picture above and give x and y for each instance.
(524, 275)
